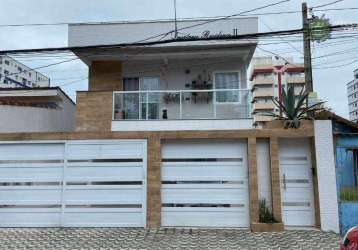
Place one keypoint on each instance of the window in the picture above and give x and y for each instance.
(6, 72)
(227, 80)
(296, 74)
(7, 62)
(131, 100)
(5, 81)
(19, 69)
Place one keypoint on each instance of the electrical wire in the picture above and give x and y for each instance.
(327, 4)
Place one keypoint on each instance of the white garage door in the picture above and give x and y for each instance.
(296, 182)
(205, 184)
(73, 183)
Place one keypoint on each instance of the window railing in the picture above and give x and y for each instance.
(182, 104)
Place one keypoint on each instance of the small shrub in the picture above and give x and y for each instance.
(349, 194)
(265, 214)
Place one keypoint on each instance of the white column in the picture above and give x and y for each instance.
(326, 175)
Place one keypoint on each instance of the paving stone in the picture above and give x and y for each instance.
(116, 238)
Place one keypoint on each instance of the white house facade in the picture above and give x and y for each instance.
(164, 138)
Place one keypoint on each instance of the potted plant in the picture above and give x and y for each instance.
(267, 221)
(293, 108)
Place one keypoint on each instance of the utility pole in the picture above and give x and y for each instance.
(307, 49)
(175, 19)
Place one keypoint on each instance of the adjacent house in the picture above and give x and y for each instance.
(345, 134)
(164, 138)
(36, 110)
(14, 74)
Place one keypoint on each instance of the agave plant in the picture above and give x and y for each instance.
(294, 108)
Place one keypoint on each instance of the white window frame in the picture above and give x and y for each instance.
(214, 85)
(141, 79)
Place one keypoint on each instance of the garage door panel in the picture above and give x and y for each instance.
(29, 152)
(219, 172)
(105, 184)
(104, 195)
(215, 194)
(203, 149)
(91, 217)
(31, 173)
(109, 150)
(205, 217)
(30, 217)
(100, 183)
(204, 183)
(112, 173)
(27, 195)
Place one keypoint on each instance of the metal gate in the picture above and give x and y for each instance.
(73, 183)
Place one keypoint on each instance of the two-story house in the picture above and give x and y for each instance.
(164, 138)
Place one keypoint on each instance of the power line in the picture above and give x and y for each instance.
(337, 66)
(181, 19)
(149, 38)
(209, 21)
(327, 4)
(267, 26)
(167, 41)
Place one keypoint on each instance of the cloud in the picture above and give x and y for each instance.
(330, 84)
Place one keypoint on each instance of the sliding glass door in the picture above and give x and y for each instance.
(150, 100)
(141, 106)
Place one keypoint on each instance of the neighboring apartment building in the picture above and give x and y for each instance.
(352, 92)
(14, 74)
(164, 138)
(36, 110)
(267, 76)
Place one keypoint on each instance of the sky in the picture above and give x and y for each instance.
(330, 73)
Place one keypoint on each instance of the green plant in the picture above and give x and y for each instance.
(265, 214)
(293, 108)
(348, 194)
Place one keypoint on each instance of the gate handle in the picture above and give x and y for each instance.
(284, 181)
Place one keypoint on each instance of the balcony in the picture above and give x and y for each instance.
(258, 81)
(263, 92)
(262, 118)
(295, 80)
(181, 110)
(263, 106)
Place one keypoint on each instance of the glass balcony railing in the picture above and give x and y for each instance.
(182, 104)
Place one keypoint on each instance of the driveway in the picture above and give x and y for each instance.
(107, 238)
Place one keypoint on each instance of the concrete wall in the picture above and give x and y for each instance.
(263, 170)
(32, 119)
(349, 215)
(326, 174)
